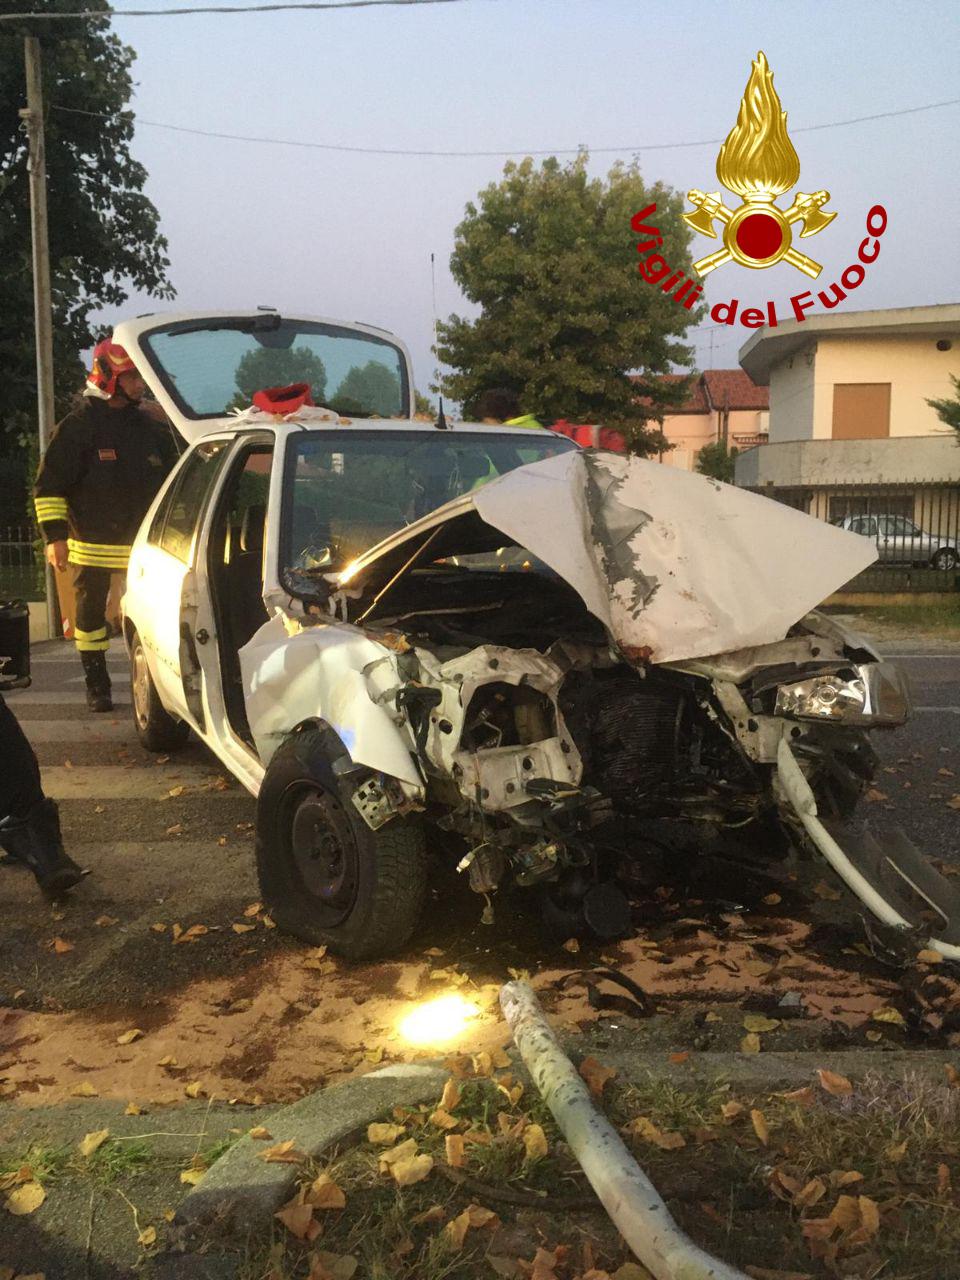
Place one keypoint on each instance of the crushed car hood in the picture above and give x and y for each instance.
(676, 565)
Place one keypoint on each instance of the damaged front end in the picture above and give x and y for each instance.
(556, 685)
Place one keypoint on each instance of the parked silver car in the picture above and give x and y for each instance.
(900, 541)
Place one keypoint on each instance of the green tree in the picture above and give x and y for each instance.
(549, 256)
(274, 367)
(372, 386)
(423, 405)
(948, 411)
(104, 232)
(718, 461)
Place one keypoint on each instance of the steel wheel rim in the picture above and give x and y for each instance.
(140, 687)
(323, 851)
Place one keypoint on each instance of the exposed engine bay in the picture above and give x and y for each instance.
(551, 687)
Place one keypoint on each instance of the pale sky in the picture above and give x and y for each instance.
(350, 236)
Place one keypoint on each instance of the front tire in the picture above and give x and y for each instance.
(945, 558)
(156, 728)
(325, 876)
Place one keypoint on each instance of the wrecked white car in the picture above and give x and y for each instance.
(486, 644)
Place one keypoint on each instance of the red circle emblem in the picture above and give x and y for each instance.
(759, 236)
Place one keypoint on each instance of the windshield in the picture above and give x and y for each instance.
(346, 491)
(214, 366)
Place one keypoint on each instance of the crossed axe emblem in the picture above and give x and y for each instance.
(758, 233)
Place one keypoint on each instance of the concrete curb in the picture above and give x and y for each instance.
(242, 1192)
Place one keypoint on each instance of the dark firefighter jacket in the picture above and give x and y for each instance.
(98, 476)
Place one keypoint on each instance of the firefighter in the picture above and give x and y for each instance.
(29, 820)
(101, 471)
(500, 405)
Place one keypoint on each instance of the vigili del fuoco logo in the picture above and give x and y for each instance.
(758, 163)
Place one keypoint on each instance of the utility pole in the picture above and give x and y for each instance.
(42, 307)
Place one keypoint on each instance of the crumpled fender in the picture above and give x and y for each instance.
(335, 674)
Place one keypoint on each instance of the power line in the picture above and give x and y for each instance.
(246, 8)
(554, 151)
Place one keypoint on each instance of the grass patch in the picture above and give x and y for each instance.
(113, 1161)
(858, 1185)
(46, 1163)
(940, 619)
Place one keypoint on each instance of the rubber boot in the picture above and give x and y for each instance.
(98, 680)
(35, 841)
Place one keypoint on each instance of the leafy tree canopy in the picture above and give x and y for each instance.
(718, 461)
(372, 386)
(274, 367)
(948, 411)
(104, 232)
(548, 254)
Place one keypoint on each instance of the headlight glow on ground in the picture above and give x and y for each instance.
(438, 1021)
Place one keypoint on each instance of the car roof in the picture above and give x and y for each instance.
(286, 427)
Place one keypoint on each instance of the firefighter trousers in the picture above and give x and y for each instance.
(92, 586)
(20, 776)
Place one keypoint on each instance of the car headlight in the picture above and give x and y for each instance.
(876, 694)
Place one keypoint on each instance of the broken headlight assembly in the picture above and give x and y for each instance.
(873, 694)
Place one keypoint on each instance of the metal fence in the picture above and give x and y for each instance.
(21, 563)
(915, 527)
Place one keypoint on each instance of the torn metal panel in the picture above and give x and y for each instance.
(676, 565)
(496, 775)
(334, 674)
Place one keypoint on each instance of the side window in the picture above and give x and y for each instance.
(182, 507)
(247, 503)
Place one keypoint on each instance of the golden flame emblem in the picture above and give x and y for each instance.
(758, 163)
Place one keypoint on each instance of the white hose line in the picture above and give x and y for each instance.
(624, 1190)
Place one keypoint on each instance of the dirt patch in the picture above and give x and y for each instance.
(285, 1023)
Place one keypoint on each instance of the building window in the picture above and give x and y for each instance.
(861, 410)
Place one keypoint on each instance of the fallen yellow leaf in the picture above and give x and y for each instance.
(268, 922)
(534, 1142)
(383, 1135)
(260, 1134)
(283, 1153)
(131, 1109)
(25, 1199)
(443, 1120)
(412, 1170)
(296, 1217)
(730, 1110)
(760, 1126)
(84, 1090)
(750, 1043)
(665, 1140)
(191, 1176)
(147, 1236)
(159, 928)
(61, 946)
(757, 1023)
(571, 945)
(452, 1093)
(403, 1151)
(929, 957)
(105, 921)
(128, 1037)
(455, 1232)
(888, 1014)
(835, 1084)
(254, 909)
(194, 1089)
(324, 1193)
(92, 1141)
(189, 935)
(454, 1145)
(596, 1075)
(242, 928)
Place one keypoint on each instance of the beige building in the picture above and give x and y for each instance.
(857, 375)
(722, 404)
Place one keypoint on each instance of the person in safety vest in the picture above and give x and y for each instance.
(101, 471)
(498, 405)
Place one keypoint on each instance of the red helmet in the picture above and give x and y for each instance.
(109, 361)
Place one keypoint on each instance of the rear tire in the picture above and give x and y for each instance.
(325, 876)
(156, 728)
(945, 558)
